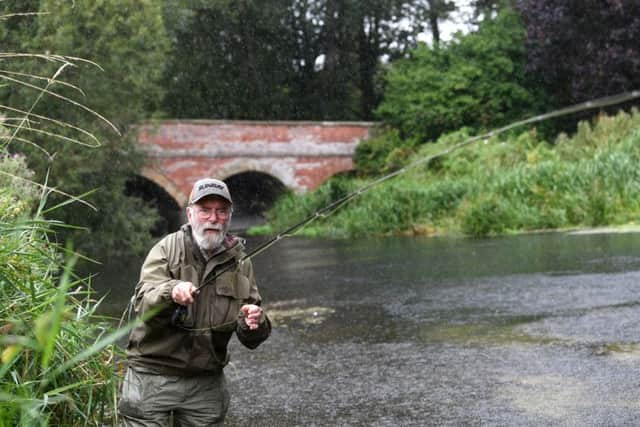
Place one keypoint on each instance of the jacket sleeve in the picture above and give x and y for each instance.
(156, 280)
(253, 338)
(248, 337)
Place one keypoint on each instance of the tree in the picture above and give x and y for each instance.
(477, 80)
(583, 49)
(127, 39)
(288, 59)
(487, 9)
(230, 61)
(383, 31)
(436, 12)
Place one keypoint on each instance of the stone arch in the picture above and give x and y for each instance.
(165, 183)
(254, 192)
(282, 169)
(172, 215)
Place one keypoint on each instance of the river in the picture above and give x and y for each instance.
(523, 330)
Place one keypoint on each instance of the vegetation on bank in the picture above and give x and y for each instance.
(57, 356)
(514, 183)
(505, 70)
(122, 45)
(56, 362)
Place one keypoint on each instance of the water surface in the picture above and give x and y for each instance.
(528, 330)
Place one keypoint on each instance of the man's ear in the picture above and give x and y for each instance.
(189, 213)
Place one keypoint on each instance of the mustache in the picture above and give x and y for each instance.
(216, 227)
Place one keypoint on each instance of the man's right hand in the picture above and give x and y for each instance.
(183, 293)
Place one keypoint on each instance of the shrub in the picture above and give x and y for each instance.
(488, 215)
(478, 80)
(52, 369)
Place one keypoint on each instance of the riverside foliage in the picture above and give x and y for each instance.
(502, 185)
(56, 353)
(125, 42)
(56, 362)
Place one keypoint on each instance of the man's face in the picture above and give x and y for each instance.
(209, 219)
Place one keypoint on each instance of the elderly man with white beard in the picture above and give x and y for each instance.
(196, 290)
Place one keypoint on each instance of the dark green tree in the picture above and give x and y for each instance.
(127, 39)
(229, 60)
(477, 81)
(583, 49)
(288, 59)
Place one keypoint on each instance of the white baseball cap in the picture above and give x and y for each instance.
(209, 187)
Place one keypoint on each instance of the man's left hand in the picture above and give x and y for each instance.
(252, 315)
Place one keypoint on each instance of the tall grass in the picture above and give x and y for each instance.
(504, 185)
(57, 356)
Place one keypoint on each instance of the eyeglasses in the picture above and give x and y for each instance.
(222, 213)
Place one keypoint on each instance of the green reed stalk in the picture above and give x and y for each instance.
(57, 355)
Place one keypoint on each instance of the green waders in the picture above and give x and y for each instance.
(148, 400)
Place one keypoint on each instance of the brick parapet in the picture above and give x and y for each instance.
(301, 155)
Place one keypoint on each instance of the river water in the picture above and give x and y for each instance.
(526, 330)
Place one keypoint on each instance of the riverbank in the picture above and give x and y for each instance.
(516, 184)
(55, 351)
(612, 229)
(627, 228)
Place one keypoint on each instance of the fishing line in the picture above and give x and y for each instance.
(332, 207)
(335, 205)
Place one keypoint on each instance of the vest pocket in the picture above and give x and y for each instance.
(234, 285)
(242, 286)
(233, 288)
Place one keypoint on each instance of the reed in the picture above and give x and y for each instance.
(47, 319)
(57, 355)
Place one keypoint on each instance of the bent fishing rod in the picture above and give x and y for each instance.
(335, 205)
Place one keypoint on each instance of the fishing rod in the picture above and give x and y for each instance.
(333, 206)
(324, 212)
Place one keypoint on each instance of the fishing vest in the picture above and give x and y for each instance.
(198, 343)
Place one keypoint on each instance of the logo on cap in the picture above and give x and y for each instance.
(210, 185)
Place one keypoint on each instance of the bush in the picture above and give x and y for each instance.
(382, 153)
(490, 215)
(497, 186)
(17, 195)
(53, 370)
(478, 80)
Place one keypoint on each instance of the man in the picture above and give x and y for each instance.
(204, 292)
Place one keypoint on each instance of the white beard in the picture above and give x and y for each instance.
(208, 241)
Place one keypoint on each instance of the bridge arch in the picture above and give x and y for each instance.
(300, 155)
(165, 183)
(172, 214)
(253, 193)
(280, 171)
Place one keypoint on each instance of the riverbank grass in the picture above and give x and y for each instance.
(517, 183)
(56, 354)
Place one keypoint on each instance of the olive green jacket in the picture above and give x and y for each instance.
(197, 345)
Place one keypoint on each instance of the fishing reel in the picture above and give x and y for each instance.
(179, 316)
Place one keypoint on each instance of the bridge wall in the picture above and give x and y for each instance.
(302, 155)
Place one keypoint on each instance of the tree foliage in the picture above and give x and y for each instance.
(478, 81)
(509, 183)
(487, 9)
(287, 59)
(127, 39)
(583, 49)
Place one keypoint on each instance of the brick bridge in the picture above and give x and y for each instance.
(297, 155)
